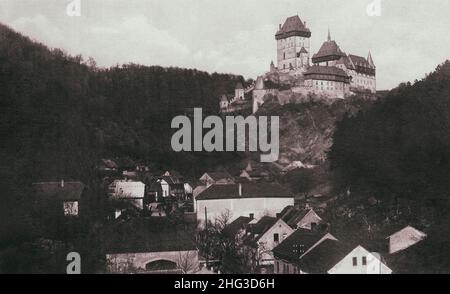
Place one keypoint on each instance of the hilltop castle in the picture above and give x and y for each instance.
(330, 73)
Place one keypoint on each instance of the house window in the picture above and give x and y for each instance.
(277, 267)
(276, 238)
(70, 208)
(355, 261)
(364, 260)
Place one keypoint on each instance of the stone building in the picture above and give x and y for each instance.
(293, 46)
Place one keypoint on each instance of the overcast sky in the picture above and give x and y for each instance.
(409, 39)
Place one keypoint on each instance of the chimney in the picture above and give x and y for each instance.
(62, 183)
(240, 190)
(304, 23)
(279, 26)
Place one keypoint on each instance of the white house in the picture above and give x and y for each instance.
(130, 191)
(250, 199)
(270, 232)
(404, 239)
(360, 261)
(300, 219)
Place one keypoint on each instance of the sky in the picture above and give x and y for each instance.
(407, 39)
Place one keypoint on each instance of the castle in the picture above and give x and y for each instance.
(330, 73)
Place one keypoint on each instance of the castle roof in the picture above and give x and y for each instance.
(328, 51)
(327, 73)
(239, 86)
(326, 70)
(224, 98)
(293, 26)
(362, 65)
(359, 60)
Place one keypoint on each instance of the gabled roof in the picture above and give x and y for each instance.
(293, 26)
(410, 230)
(328, 51)
(216, 176)
(359, 61)
(264, 224)
(303, 50)
(324, 256)
(238, 224)
(345, 60)
(249, 190)
(61, 190)
(147, 235)
(297, 244)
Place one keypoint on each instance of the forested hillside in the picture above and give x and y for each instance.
(60, 114)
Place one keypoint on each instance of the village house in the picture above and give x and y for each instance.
(218, 178)
(404, 239)
(288, 254)
(58, 198)
(107, 166)
(361, 261)
(264, 236)
(150, 245)
(247, 199)
(300, 218)
(126, 192)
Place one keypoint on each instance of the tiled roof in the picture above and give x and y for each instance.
(324, 256)
(238, 224)
(328, 51)
(216, 176)
(147, 235)
(265, 223)
(326, 70)
(345, 60)
(359, 60)
(249, 190)
(55, 190)
(293, 26)
(297, 244)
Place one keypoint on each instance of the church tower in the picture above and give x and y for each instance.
(293, 45)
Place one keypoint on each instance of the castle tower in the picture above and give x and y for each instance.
(258, 94)
(293, 45)
(239, 92)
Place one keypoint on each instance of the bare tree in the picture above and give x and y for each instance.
(187, 261)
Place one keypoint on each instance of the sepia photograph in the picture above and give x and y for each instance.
(202, 140)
